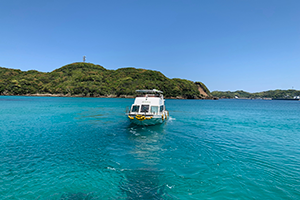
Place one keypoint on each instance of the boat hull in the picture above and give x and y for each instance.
(148, 121)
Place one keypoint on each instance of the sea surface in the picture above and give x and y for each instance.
(85, 148)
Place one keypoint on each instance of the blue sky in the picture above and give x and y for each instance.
(251, 45)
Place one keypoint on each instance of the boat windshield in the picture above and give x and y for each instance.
(145, 108)
(135, 108)
(161, 108)
(154, 109)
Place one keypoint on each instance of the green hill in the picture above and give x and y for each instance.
(87, 79)
(274, 94)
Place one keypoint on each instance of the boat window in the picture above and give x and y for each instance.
(135, 108)
(161, 108)
(145, 108)
(154, 109)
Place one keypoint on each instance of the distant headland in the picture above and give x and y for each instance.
(89, 80)
(268, 95)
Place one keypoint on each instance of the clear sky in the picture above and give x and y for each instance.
(251, 45)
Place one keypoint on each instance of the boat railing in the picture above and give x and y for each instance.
(148, 95)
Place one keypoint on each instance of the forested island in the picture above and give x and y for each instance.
(270, 94)
(90, 80)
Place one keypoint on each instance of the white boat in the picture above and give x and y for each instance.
(148, 108)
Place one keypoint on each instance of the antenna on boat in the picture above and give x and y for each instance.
(84, 58)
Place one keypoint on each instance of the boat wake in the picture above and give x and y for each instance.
(172, 118)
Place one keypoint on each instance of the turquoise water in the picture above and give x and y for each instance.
(84, 148)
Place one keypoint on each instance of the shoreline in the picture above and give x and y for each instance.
(265, 98)
(102, 96)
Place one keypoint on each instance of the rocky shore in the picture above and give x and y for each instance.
(104, 96)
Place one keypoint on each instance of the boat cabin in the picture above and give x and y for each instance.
(148, 102)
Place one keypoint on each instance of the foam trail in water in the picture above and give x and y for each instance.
(171, 119)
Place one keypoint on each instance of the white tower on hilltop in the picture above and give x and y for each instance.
(84, 58)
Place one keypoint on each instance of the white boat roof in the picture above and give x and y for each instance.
(149, 91)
